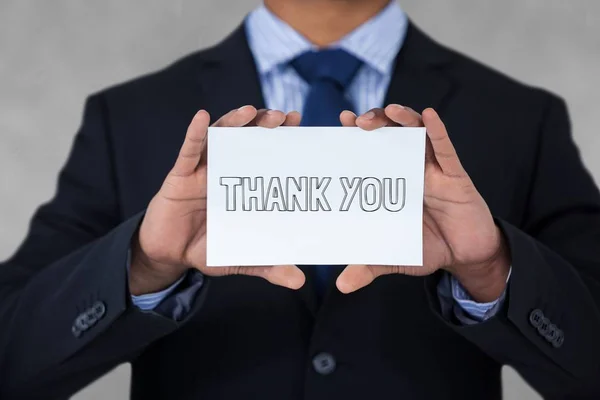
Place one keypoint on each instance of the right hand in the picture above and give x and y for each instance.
(172, 236)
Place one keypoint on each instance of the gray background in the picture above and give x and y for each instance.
(54, 53)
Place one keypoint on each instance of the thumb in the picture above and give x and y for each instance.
(289, 276)
(355, 277)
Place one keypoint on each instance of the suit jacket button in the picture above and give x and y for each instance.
(76, 331)
(81, 322)
(99, 309)
(559, 339)
(544, 327)
(324, 363)
(536, 317)
(551, 333)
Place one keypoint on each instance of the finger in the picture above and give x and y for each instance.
(404, 116)
(374, 119)
(348, 118)
(193, 145)
(268, 119)
(289, 276)
(429, 155)
(293, 118)
(355, 277)
(442, 147)
(236, 118)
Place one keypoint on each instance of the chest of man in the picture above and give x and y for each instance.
(254, 340)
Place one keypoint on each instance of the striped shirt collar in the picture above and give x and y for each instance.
(376, 42)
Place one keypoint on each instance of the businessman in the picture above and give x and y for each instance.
(113, 269)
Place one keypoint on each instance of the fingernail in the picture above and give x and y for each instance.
(399, 107)
(345, 287)
(369, 116)
(242, 108)
(271, 112)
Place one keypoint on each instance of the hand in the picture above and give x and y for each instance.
(459, 233)
(172, 236)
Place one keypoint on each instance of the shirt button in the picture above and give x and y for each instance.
(324, 363)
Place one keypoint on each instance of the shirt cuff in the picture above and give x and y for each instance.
(149, 301)
(465, 309)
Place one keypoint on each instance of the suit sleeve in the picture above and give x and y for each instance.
(65, 311)
(549, 326)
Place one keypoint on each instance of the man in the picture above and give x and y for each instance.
(113, 269)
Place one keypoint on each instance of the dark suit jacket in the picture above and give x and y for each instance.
(244, 338)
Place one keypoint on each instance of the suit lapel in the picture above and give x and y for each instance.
(417, 81)
(229, 78)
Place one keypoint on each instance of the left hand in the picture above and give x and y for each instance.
(459, 233)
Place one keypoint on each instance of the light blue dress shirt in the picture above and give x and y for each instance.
(274, 44)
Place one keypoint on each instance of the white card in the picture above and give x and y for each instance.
(324, 196)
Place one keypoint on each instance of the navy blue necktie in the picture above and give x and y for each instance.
(328, 72)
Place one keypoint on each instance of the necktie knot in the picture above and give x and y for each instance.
(334, 65)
